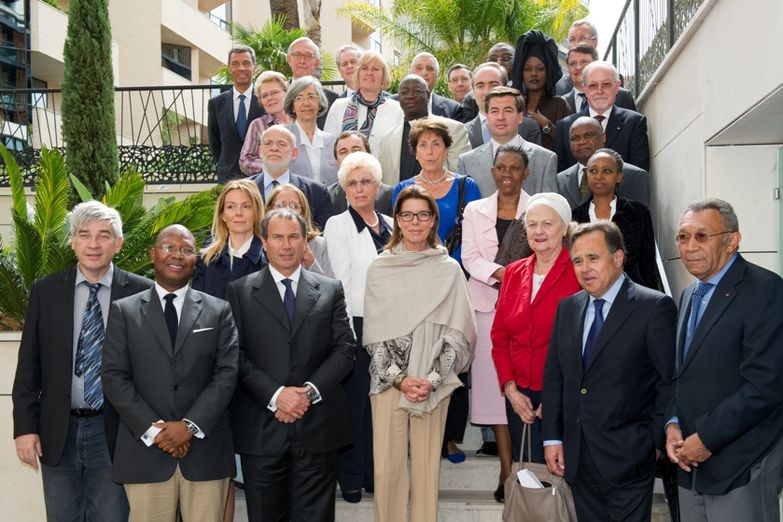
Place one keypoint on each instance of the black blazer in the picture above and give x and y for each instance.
(317, 197)
(728, 388)
(147, 379)
(224, 142)
(383, 201)
(635, 185)
(317, 348)
(626, 133)
(617, 403)
(446, 107)
(330, 97)
(634, 221)
(214, 278)
(624, 99)
(42, 386)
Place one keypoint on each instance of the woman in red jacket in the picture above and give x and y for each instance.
(531, 289)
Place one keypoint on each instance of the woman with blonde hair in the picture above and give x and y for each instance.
(316, 258)
(419, 330)
(271, 88)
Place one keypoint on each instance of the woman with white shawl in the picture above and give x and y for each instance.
(419, 330)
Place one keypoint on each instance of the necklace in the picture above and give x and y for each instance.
(428, 181)
(373, 225)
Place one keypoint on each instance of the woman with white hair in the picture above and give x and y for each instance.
(271, 87)
(354, 238)
(531, 289)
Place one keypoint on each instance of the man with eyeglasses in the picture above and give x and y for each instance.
(577, 59)
(581, 32)
(304, 58)
(397, 159)
(61, 419)
(725, 422)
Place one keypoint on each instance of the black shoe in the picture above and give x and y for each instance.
(353, 497)
(500, 495)
(489, 449)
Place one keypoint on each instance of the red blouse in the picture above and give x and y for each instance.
(521, 330)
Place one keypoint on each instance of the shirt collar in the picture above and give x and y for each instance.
(105, 280)
(318, 137)
(162, 292)
(241, 250)
(516, 141)
(277, 276)
(605, 114)
(611, 294)
(714, 280)
(248, 93)
(284, 178)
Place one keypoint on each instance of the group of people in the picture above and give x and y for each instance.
(374, 256)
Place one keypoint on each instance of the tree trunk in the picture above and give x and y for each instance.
(287, 9)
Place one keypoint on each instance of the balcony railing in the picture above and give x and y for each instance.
(645, 33)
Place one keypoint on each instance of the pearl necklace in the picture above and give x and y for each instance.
(373, 225)
(428, 181)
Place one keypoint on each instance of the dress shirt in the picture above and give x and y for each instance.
(313, 150)
(578, 100)
(80, 296)
(238, 252)
(516, 141)
(284, 178)
(612, 210)
(606, 114)
(248, 96)
(278, 279)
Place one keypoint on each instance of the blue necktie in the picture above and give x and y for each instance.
(595, 331)
(485, 131)
(88, 349)
(582, 101)
(242, 118)
(289, 300)
(698, 294)
(170, 314)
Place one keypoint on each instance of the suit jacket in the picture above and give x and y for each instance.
(147, 379)
(319, 348)
(316, 194)
(214, 277)
(728, 387)
(446, 107)
(528, 129)
(626, 133)
(330, 97)
(301, 164)
(635, 185)
(617, 403)
(624, 99)
(42, 386)
(224, 141)
(542, 176)
(388, 153)
(383, 200)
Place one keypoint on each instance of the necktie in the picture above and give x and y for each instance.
(170, 313)
(88, 349)
(242, 117)
(698, 294)
(582, 101)
(289, 300)
(485, 131)
(600, 118)
(584, 188)
(595, 330)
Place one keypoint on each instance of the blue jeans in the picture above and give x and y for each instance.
(79, 488)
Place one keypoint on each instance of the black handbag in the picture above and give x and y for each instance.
(454, 239)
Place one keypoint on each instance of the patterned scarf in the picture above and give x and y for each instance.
(351, 114)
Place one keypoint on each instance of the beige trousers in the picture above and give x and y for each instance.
(203, 501)
(393, 430)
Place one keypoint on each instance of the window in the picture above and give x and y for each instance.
(176, 58)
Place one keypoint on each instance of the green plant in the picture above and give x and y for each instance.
(40, 239)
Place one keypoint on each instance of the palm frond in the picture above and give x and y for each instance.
(13, 298)
(51, 208)
(27, 248)
(127, 196)
(81, 189)
(18, 198)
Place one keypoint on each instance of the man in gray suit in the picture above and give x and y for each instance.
(585, 137)
(505, 111)
(170, 368)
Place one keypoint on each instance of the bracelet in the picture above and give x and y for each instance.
(397, 382)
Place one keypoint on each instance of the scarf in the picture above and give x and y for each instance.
(351, 114)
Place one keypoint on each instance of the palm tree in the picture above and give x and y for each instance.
(287, 11)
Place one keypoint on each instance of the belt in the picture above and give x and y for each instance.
(86, 412)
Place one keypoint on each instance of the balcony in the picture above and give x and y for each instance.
(48, 27)
(183, 24)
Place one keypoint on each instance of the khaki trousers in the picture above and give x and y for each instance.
(393, 430)
(203, 501)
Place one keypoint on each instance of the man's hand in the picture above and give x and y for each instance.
(416, 389)
(173, 436)
(179, 453)
(555, 461)
(693, 451)
(674, 443)
(293, 402)
(28, 449)
(284, 417)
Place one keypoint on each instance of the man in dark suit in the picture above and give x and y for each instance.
(626, 131)
(502, 54)
(581, 32)
(726, 415)
(296, 346)
(170, 369)
(277, 151)
(304, 58)
(346, 143)
(607, 380)
(577, 59)
(230, 112)
(587, 136)
(60, 416)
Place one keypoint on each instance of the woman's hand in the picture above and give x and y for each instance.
(415, 389)
(520, 403)
(542, 120)
(498, 274)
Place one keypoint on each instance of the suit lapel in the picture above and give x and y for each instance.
(256, 111)
(613, 127)
(621, 309)
(306, 297)
(153, 314)
(265, 291)
(488, 208)
(474, 133)
(191, 309)
(69, 288)
(582, 302)
(572, 183)
(682, 322)
(228, 112)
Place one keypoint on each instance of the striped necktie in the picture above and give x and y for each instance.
(88, 349)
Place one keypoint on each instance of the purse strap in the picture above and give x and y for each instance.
(527, 435)
(460, 200)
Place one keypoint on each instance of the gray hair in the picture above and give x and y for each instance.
(304, 39)
(296, 88)
(429, 56)
(347, 47)
(727, 215)
(242, 49)
(584, 21)
(599, 65)
(359, 160)
(282, 213)
(90, 211)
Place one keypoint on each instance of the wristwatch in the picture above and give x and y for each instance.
(192, 428)
(546, 128)
(312, 394)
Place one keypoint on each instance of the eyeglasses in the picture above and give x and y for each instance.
(700, 237)
(505, 58)
(364, 183)
(170, 249)
(309, 98)
(409, 93)
(421, 215)
(296, 207)
(273, 92)
(303, 56)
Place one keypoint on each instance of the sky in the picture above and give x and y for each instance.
(604, 14)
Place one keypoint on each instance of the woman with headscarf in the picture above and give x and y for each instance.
(535, 73)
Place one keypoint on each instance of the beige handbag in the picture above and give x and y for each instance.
(552, 503)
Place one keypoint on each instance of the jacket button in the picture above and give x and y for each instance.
(583, 391)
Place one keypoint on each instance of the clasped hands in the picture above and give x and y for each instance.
(415, 389)
(292, 404)
(174, 438)
(522, 404)
(686, 453)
